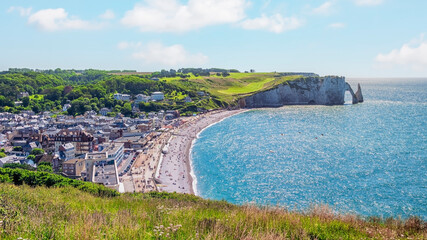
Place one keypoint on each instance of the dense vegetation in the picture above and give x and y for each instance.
(88, 90)
(68, 213)
(43, 177)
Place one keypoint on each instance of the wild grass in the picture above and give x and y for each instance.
(68, 213)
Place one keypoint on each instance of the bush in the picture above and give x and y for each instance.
(37, 151)
(40, 178)
(17, 165)
(18, 148)
(44, 168)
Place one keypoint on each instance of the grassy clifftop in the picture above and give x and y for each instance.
(69, 213)
(231, 87)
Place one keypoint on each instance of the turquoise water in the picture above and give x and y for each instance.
(368, 159)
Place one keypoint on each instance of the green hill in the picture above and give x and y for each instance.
(232, 87)
(94, 89)
(66, 212)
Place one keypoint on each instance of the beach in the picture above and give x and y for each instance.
(174, 171)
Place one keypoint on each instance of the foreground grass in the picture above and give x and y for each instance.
(68, 213)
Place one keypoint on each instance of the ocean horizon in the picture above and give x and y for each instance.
(368, 159)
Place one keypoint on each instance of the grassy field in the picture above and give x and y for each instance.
(230, 88)
(68, 213)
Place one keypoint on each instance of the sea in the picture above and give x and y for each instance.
(367, 159)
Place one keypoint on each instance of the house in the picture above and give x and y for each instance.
(120, 96)
(157, 96)
(104, 111)
(67, 151)
(83, 142)
(74, 167)
(18, 103)
(125, 97)
(187, 99)
(66, 107)
(174, 112)
(30, 146)
(155, 79)
(10, 159)
(169, 116)
(22, 95)
(142, 98)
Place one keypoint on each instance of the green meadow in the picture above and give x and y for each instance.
(67, 211)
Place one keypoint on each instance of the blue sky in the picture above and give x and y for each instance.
(354, 38)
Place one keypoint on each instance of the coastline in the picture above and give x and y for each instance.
(175, 170)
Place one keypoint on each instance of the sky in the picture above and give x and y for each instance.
(353, 38)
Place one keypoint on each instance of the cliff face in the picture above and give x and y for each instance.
(328, 90)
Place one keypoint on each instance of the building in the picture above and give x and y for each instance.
(108, 153)
(74, 167)
(106, 174)
(66, 107)
(187, 99)
(22, 95)
(83, 142)
(104, 111)
(157, 96)
(142, 98)
(102, 165)
(67, 151)
(123, 97)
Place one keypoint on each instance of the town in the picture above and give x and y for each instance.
(119, 152)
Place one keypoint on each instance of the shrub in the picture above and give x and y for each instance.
(17, 165)
(41, 178)
(37, 151)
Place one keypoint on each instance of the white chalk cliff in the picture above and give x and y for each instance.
(329, 90)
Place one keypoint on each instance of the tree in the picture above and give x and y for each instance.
(37, 151)
(17, 148)
(127, 109)
(44, 168)
(2, 154)
(31, 157)
(25, 101)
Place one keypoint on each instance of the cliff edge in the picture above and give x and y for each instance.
(329, 90)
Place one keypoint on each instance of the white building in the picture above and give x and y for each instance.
(66, 107)
(142, 98)
(118, 96)
(158, 96)
(123, 97)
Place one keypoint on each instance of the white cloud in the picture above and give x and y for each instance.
(172, 16)
(368, 2)
(337, 25)
(126, 45)
(107, 15)
(412, 55)
(324, 9)
(157, 53)
(22, 11)
(58, 19)
(276, 23)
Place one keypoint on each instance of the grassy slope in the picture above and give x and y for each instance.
(233, 87)
(68, 213)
